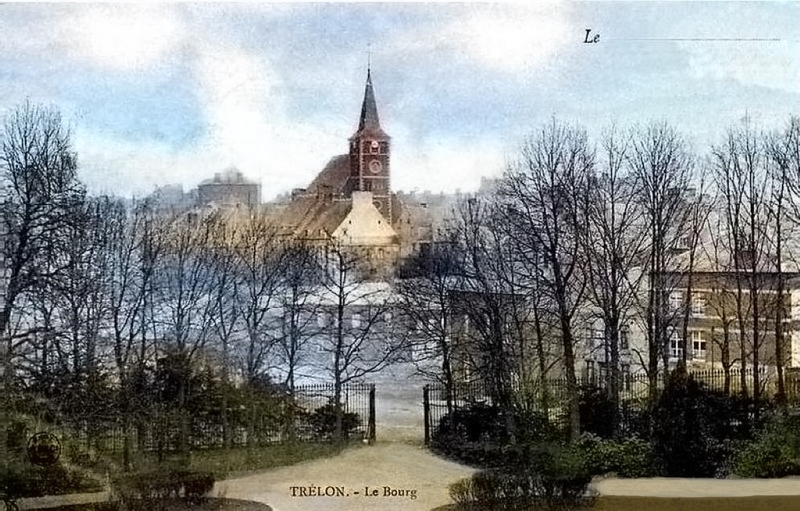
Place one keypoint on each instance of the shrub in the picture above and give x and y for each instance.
(553, 477)
(596, 412)
(697, 428)
(24, 481)
(635, 418)
(150, 490)
(323, 420)
(631, 457)
(774, 452)
(479, 435)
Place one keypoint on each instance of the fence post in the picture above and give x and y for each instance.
(426, 413)
(371, 426)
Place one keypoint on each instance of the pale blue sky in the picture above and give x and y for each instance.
(171, 93)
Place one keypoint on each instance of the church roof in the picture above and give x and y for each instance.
(313, 216)
(368, 123)
(333, 178)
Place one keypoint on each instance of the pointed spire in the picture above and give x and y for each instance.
(369, 110)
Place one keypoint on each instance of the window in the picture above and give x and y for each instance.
(675, 300)
(623, 339)
(698, 345)
(602, 371)
(355, 320)
(676, 346)
(598, 344)
(589, 369)
(625, 372)
(698, 305)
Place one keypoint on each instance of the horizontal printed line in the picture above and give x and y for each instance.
(700, 39)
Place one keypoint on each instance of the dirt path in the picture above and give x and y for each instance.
(416, 480)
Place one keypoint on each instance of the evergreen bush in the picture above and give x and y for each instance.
(697, 429)
(774, 453)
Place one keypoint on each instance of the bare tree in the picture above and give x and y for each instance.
(482, 316)
(299, 309)
(661, 166)
(183, 304)
(225, 316)
(783, 149)
(37, 182)
(259, 256)
(132, 254)
(740, 173)
(697, 210)
(425, 302)
(358, 338)
(721, 299)
(546, 192)
(77, 306)
(613, 250)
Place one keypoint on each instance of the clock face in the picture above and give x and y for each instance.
(375, 166)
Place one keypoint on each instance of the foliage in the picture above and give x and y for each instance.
(323, 420)
(630, 457)
(548, 475)
(480, 434)
(774, 452)
(24, 480)
(698, 428)
(635, 418)
(229, 462)
(150, 490)
(596, 411)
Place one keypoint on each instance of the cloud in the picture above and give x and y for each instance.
(243, 107)
(503, 37)
(123, 37)
(444, 164)
(771, 64)
(244, 104)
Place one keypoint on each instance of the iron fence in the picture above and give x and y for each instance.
(633, 389)
(305, 415)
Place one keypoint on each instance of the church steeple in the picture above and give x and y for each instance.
(368, 122)
(369, 154)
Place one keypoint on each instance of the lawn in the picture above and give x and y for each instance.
(227, 463)
(240, 461)
(177, 505)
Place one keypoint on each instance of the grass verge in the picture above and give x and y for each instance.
(227, 463)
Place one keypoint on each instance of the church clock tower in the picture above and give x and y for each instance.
(369, 155)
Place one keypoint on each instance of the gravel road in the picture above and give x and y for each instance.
(401, 476)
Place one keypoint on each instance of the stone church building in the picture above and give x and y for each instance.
(350, 202)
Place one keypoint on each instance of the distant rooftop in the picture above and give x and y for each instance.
(231, 175)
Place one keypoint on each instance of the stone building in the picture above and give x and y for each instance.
(350, 203)
(229, 189)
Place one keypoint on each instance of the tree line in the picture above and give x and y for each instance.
(580, 241)
(110, 304)
(98, 291)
